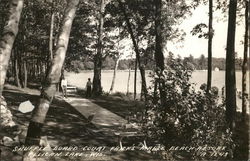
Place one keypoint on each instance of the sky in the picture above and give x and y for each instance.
(197, 46)
(194, 45)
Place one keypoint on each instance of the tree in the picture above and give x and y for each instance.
(9, 33)
(189, 61)
(114, 74)
(51, 31)
(249, 69)
(230, 66)
(166, 17)
(198, 30)
(210, 38)
(135, 44)
(52, 79)
(244, 65)
(97, 87)
(117, 59)
(135, 78)
(129, 73)
(159, 57)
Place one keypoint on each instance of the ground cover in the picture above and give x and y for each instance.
(64, 127)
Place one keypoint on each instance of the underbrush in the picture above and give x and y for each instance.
(179, 116)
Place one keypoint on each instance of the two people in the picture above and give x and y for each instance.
(64, 85)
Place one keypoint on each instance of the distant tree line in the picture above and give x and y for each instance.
(124, 64)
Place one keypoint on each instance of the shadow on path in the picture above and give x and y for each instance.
(64, 126)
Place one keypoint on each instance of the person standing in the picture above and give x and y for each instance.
(88, 86)
(64, 84)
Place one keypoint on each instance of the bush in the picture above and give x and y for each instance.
(188, 117)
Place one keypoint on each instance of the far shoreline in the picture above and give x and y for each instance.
(132, 70)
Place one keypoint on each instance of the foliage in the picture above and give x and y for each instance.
(189, 117)
(199, 30)
(124, 64)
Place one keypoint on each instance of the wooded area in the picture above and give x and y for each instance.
(40, 40)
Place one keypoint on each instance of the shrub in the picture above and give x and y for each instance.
(188, 117)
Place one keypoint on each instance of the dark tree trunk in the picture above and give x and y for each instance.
(33, 71)
(143, 86)
(210, 38)
(8, 36)
(244, 66)
(230, 66)
(141, 67)
(97, 87)
(20, 67)
(25, 74)
(49, 86)
(159, 57)
(248, 76)
(13, 63)
(38, 68)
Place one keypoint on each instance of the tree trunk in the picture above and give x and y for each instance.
(210, 38)
(249, 77)
(51, 32)
(129, 72)
(17, 73)
(25, 74)
(33, 69)
(20, 67)
(135, 78)
(159, 57)
(49, 86)
(8, 37)
(142, 86)
(114, 75)
(97, 87)
(244, 66)
(38, 69)
(51, 37)
(13, 64)
(230, 66)
(141, 67)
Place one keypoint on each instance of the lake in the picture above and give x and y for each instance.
(198, 77)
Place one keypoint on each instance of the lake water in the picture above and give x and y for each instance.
(198, 77)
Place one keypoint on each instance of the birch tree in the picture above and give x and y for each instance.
(52, 79)
(8, 36)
